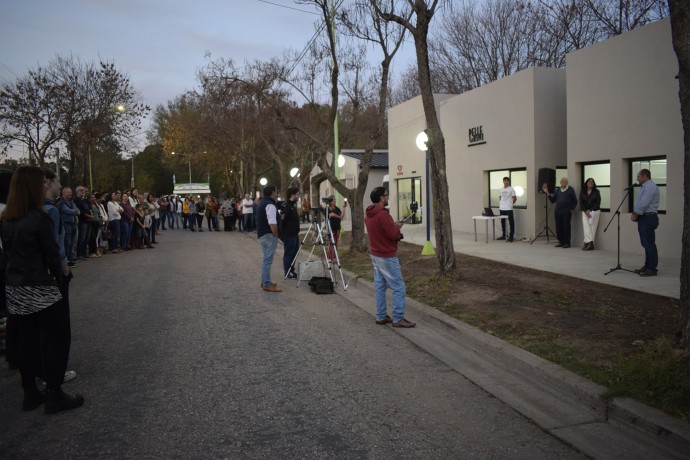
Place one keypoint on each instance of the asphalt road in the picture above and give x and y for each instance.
(180, 354)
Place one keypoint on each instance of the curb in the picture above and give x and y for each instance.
(668, 433)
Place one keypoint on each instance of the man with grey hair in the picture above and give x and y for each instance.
(566, 201)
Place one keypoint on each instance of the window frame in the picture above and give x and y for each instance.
(584, 178)
(632, 173)
(510, 175)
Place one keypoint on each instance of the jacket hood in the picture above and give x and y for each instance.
(374, 209)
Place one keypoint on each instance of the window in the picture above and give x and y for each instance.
(518, 180)
(601, 173)
(410, 200)
(657, 166)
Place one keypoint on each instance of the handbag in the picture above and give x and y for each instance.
(107, 234)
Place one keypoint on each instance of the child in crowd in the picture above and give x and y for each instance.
(148, 222)
(139, 229)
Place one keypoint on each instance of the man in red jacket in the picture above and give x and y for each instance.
(384, 235)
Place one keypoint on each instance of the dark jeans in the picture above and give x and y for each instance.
(163, 218)
(291, 245)
(114, 242)
(563, 226)
(645, 226)
(248, 222)
(200, 221)
(70, 233)
(511, 222)
(93, 236)
(44, 343)
(83, 238)
(152, 230)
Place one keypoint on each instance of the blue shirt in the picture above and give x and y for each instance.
(647, 199)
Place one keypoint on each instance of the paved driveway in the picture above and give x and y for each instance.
(181, 355)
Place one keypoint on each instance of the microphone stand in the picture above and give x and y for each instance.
(617, 216)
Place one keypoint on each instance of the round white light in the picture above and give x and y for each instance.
(263, 181)
(294, 172)
(341, 161)
(519, 191)
(421, 140)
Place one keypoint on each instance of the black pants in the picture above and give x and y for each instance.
(511, 222)
(563, 226)
(44, 343)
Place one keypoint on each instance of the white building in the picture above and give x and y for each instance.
(613, 110)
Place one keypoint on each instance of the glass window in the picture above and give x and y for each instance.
(601, 173)
(518, 180)
(657, 166)
(410, 200)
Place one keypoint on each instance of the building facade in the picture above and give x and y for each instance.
(613, 110)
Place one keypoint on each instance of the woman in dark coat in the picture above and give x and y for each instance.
(34, 273)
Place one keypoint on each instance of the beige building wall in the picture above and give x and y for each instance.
(623, 104)
(522, 118)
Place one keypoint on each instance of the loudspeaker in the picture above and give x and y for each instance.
(547, 176)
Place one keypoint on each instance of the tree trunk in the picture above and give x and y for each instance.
(443, 231)
(357, 207)
(680, 27)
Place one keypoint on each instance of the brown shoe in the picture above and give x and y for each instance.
(385, 320)
(404, 323)
(648, 273)
(272, 288)
(640, 270)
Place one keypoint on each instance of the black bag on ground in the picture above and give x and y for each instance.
(321, 285)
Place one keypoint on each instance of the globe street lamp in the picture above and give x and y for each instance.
(293, 173)
(422, 144)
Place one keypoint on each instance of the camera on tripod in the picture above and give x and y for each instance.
(327, 200)
(414, 207)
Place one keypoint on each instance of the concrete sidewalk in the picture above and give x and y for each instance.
(563, 404)
(588, 265)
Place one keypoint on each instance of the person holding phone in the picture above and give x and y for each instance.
(384, 234)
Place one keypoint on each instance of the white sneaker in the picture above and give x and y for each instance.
(69, 375)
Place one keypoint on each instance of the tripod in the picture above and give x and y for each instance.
(320, 231)
(546, 230)
(617, 216)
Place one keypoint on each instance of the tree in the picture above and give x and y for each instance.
(424, 13)
(680, 27)
(31, 114)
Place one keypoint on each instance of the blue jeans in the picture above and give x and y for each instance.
(126, 233)
(291, 245)
(387, 274)
(268, 246)
(114, 242)
(645, 227)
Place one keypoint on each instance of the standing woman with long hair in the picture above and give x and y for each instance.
(34, 274)
(590, 201)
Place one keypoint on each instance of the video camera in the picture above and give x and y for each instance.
(327, 200)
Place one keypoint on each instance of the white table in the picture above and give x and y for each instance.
(486, 219)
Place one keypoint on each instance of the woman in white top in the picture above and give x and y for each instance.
(114, 216)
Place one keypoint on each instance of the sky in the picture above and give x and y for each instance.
(160, 44)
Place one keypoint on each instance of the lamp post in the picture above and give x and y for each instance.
(132, 181)
(189, 164)
(422, 144)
